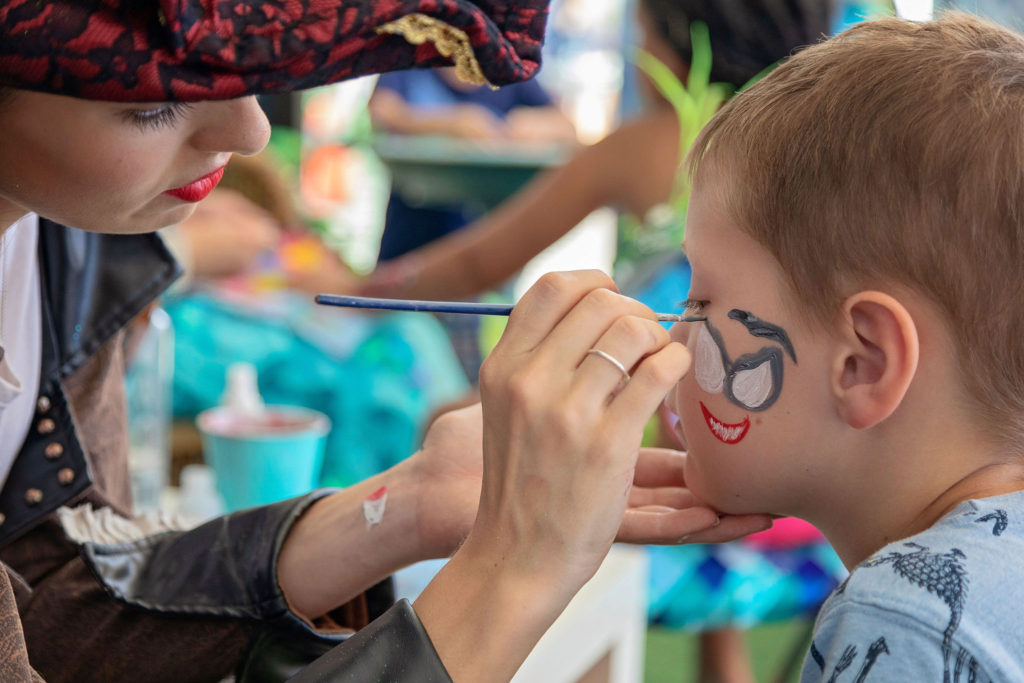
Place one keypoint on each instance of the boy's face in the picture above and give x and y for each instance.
(754, 410)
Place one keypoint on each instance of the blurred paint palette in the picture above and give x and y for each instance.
(296, 253)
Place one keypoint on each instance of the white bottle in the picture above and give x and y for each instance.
(241, 393)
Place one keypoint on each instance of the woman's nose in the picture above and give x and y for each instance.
(238, 126)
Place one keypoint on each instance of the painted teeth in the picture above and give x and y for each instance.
(725, 433)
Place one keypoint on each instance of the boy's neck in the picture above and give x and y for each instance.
(856, 537)
(902, 479)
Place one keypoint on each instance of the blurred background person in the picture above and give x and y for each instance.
(437, 103)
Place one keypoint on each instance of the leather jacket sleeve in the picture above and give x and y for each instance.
(14, 664)
(395, 645)
(195, 605)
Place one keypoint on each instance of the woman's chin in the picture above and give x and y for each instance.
(139, 222)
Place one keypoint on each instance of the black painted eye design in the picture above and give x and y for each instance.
(753, 381)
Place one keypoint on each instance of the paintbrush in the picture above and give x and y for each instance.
(470, 307)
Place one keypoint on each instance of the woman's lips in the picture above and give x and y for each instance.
(726, 433)
(198, 189)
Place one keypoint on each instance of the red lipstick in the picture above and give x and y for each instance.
(198, 189)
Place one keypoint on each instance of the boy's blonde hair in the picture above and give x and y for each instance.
(894, 153)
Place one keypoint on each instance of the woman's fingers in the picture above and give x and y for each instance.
(651, 380)
(731, 527)
(691, 525)
(675, 497)
(665, 527)
(660, 467)
(592, 316)
(616, 352)
(545, 304)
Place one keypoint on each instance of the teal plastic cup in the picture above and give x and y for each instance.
(260, 459)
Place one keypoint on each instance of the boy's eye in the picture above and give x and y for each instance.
(694, 306)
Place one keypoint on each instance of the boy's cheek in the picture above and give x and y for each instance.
(704, 479)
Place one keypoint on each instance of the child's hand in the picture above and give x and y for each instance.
(662, 510)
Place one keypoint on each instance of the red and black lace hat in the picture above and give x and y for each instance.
(164, 50)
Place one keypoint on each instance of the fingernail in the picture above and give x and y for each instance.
(718, 520)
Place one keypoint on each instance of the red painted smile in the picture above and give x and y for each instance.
(726, 433)
(198, 189)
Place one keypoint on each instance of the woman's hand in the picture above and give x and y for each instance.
(661, 509)
(562, 427)
(447, 469)
(561, 436)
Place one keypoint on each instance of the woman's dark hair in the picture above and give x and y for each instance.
(747, 36)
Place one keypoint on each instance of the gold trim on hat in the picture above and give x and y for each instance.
(450, 42)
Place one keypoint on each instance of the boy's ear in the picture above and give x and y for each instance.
(876, 359)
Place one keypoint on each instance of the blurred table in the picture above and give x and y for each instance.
(434, 170)
(599, 638)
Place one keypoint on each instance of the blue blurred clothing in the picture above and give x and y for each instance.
(406, 225)
(428, 89)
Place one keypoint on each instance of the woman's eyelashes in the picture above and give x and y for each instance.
(158, 117)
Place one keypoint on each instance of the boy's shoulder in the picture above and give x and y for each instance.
(942, 603)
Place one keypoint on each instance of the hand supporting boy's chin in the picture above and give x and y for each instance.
(662, 510)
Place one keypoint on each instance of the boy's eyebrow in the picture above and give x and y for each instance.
(760, 328)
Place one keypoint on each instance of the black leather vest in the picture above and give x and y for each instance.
(92, 285)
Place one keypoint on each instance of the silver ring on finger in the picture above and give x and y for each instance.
(613, 360)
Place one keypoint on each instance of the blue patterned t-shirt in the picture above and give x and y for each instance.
(944, 605)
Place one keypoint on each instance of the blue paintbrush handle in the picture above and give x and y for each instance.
(470, 307)
(414, 305)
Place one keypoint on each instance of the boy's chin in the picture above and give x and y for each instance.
(723, 496)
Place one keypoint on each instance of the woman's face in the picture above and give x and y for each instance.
(115, 167)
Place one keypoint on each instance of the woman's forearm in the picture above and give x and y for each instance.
(483, 617)
(333, 552)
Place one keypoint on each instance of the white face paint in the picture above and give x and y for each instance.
(373, 507)
(753, 387)
(707, 365)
